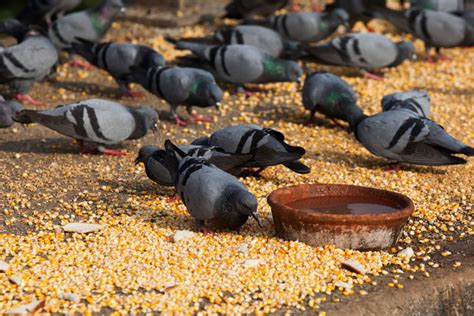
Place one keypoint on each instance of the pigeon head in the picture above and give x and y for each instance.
(8, 111)
(406, 50)
(145, 153)
(338, 17)
(354, 116)
(201, 141)
(293, 71)
(207, 93)
(149, 117)
(14, 28)
(245, 203)
(110, 8)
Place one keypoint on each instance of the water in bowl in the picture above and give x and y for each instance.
(344, 205)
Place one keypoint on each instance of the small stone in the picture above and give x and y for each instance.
(346, 286)
(17, 280)
(182, 234)
(4, 266)
(82, 228)
(243, 249)
(27, 309)
(407, 252)
(353, 266)
(251, 263)
(76, 298)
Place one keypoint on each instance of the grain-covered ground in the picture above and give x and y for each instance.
(133, 265)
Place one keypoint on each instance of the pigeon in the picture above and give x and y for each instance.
(29, 61)
(253, 35)
(367, 51)
(242, 64)
(415, 100)
(181, 86)
(158, 173)
(212, 196)
(440, 29)
(8, 110)
(308, 26)
(403, 136)
(14, 28)
(246, 9)
(96, 121)
(442, 5)
(37, 11)
(328, 94)
(118, 58)
(91, 24)
(267, 146)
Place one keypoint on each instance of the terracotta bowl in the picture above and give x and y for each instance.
(355, 231)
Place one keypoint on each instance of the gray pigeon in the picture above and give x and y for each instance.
(158, 173)
(8, 110)
(308, 26)
(246, 9)
(118, 58)
(402, 135)
(367, 51)
(241, 64)
(24, 64)
(181, 86)
(440, 29)
(267, 146)
(328, 94)
(415, 100)
(443, 5)
(253, 35)
(37, 11)
(96, 121)
(212, 196)
(89, 24)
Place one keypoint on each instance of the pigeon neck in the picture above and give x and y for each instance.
(140, 125)
(355, 116)
(274, 70)
(103, 15)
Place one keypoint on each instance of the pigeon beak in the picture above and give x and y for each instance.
(137, 160)
(123, 9)
(257, 219)
(414, 57)
(154, 128)
(218, 104)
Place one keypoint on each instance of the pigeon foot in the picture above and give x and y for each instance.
(201, 118)
(393, 167)
(112, 152)
(372, 76)
(181, 122)
(133, 94)
(75, 62)
(173, 199)
(25, 98)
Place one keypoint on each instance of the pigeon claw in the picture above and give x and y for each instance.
(75, 62)
(112, 152)
(173, 199)
(133, 94)
(181, 122)
(25, 98)
(202, 118)
(372, 76)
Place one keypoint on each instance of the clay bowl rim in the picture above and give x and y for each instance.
(275, 202)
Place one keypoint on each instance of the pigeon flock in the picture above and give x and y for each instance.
(264, 48)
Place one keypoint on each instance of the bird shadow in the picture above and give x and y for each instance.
(353, 160)
(57, 145)
(91, 88)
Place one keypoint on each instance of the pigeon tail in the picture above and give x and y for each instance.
(468, 151)
(202, 141)
(25, 117)
(232, 11)
(297, 167)
(84, 48)
(169, 160)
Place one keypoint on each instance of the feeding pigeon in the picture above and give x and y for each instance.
(215, 155)
(37, 11)
(241, 64)
(308, 26)
(29, 61)
(367, 51)
(14, 28)
(415, 100)
(96, 121)
(91, 25)
(440, 29)
(253, 35)
(402, 135)
(267, 146)
(118, 58)
(181, 86)
(244, 9)
(8, 110)
(212, 196)
(328, 94)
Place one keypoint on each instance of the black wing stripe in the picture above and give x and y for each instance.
(222, 54)
(189, 172)
(401, 130)
(95, 123)
(243, 140)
